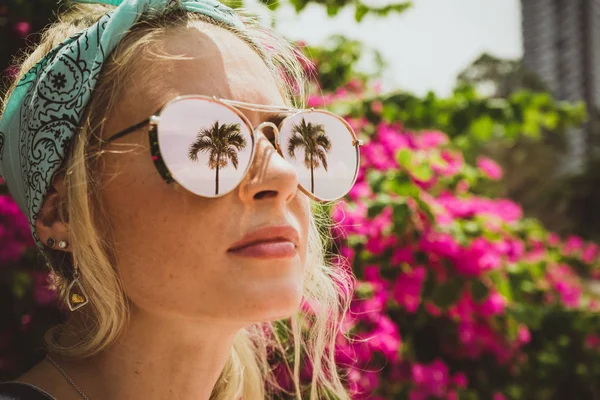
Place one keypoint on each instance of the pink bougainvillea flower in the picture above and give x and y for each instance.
(403, 255)
(385, 338)
(573, 244)
(442, 244)
(494, 304)
(42, 293)
(523, 335)
(360, 190)
(553, 239)
(22, 28)
(430, 139)
(460, 380)
(431, 379)
(407, 288)
(377, 107)
(592, 341)
(570, 294)
(489, 168)
(479, 257)
(590, 253)
(392, 140)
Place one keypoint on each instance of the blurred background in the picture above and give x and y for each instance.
(473, 225)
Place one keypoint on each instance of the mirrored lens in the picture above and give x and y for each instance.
(205, 145)
(321, 148)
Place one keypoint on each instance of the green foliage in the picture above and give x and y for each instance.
(333, 7)
(336, 61)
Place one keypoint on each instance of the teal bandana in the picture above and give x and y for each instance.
(45, 109)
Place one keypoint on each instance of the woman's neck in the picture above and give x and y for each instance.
(157, 358)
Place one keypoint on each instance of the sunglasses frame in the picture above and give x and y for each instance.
(236, 107)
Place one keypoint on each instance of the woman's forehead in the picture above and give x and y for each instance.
(211, 61)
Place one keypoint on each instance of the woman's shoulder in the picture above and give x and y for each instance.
(22, 391)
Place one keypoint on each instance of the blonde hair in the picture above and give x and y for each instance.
(327, 289)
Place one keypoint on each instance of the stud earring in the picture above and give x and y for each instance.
(51, 242)
(63, 244)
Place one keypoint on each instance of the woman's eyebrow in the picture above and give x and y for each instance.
(276, 119)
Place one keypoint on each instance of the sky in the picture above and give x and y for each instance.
(425, 47)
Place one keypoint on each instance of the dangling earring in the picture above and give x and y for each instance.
(77, 297)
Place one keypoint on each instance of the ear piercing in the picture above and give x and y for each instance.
(63, 244)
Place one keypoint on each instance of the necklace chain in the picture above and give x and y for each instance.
(71, 381)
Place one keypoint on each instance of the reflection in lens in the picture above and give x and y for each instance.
(312, 139)
(322, 149)
(222, 143)
(206, 146)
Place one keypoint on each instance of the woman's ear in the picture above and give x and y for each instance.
(52, 223)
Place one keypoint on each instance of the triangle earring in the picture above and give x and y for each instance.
(77, 297)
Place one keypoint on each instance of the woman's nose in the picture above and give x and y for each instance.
(270, 175)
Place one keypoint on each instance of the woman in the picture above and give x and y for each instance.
(168, 180)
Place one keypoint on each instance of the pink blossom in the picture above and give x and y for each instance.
(403, 255)
(11, 72)
(377, 107)
(355, 85)
(376, 245)
(523, 335)
(283, 376)
(362, 383)
(431, 139)
(442, 244)
(592, 341)
(431, 379)
(489, 168)
(573, 244)
(570, 294)
(385, 338)
(452, 395)
(590, 253)
(553, 239)
(378, 157)
(494, 304)
(460, 380)
(432, 309)
(319, 101)
(515, 250)
(22, 28)
(360, 190)
(498, 396)
(369, 309)
(25, 320)
(392, 139)
(357, 124)
(349, 219)
(407, 289)
(464, 309)
(479, 257)
(42, 293)
(454, 163)
(462, 187)
(377, 86)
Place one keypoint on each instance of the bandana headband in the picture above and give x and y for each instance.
(45, 108)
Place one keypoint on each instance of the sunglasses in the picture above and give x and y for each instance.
(207, 145)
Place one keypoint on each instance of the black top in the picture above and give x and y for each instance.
(22, 391)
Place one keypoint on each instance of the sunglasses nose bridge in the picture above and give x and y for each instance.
(267, 124)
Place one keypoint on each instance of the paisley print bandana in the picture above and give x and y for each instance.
(45, 109)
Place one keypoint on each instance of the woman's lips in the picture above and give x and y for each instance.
(267, 250)
(268, 242)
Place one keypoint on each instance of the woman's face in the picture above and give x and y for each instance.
(172, 246)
